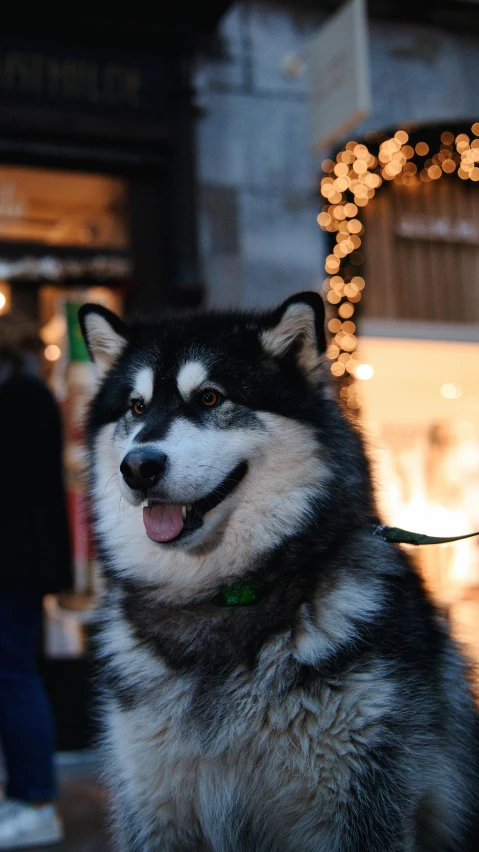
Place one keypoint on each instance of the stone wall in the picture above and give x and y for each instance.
(258, 233)
(259, 238)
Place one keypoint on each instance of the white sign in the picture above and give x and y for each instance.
(442, 228)
(338, 60)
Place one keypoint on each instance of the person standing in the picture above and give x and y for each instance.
(35, 559)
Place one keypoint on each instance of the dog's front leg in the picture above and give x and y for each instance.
(377, 818)
(373, 835)
(168, 838)
(136, 830)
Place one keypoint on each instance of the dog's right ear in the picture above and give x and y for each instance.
(105, 335)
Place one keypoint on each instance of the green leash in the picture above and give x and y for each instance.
(399, 536)
(249, 594)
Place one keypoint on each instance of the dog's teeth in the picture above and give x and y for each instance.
(144, 504)
(183, 512)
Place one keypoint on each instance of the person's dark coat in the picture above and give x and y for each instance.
(34, 536)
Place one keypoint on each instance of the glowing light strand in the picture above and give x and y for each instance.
(357, 173)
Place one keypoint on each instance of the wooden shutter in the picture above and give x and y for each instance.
(421, 248)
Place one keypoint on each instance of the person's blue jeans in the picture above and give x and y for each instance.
(26, 725)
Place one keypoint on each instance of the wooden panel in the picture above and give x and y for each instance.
(421, 248)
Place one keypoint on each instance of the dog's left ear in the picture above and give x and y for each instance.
(298, 327)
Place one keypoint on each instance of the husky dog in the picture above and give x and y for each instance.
(276, 678)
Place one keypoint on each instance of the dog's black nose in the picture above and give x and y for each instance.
(142, 469)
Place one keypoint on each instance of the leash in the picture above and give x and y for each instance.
(249, 594)
(399, 536)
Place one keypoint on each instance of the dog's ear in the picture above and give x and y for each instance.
(105, 335)
(298, 326)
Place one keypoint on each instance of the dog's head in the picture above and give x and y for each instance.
(205, 432)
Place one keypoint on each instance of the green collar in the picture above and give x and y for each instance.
(238, 594)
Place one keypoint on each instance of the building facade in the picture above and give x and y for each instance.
(396, 253)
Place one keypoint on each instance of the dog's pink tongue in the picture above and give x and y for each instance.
(163, 521)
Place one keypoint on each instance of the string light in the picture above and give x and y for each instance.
(450, 391)
(364, 372)
(422, 148)
(52, 352)
(348, 184)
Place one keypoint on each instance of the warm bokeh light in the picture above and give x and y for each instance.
(434, 172)
(364, 372)
(361, 152)
(338, 369)
(350, 209)
(341, 169)
(5, 297)
(52, 352)
(448, 166)
(348, 342)
(323, 220)
(354, 226)
(332, 351)
(451, 391)
(422, 148)
(346, 310)
(401, 136)
(54, 329)
(357, 173)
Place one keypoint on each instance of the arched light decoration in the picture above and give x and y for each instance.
(348, 183)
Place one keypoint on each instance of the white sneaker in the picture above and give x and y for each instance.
(23, 825)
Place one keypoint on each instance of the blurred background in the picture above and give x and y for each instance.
(230, 154)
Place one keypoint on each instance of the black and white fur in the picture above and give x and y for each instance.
(336, 714)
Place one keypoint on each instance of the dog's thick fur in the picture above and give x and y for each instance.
(333, 715)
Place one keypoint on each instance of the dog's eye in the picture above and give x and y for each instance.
(209, 398)
(138, 407)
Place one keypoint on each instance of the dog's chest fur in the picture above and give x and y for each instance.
(333, 716)
(213, 750)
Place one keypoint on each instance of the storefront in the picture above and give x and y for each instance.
(420, 411)
(97, 203)
(402, 210)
